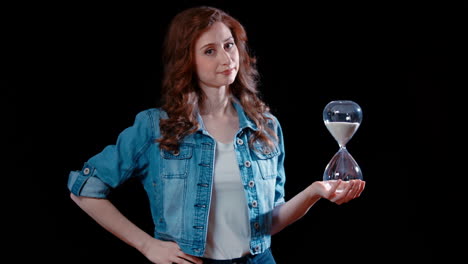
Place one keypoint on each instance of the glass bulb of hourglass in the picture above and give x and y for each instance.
(342, 119)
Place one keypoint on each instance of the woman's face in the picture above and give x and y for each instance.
(216, 57)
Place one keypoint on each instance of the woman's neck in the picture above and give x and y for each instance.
(217, 102)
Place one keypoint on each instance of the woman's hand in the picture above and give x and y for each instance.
(338, 191)
(167, 252)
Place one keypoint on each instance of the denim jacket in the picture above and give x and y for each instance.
(179, 184)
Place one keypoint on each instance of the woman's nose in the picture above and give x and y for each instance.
(225, 58)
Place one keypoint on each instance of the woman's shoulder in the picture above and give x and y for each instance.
(154, 113)
(148, 120)
(272, 120)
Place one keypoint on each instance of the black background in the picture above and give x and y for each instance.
(80, 74)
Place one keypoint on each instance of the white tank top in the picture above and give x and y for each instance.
(228, 227)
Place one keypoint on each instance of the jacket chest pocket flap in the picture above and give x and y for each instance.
(175, 164)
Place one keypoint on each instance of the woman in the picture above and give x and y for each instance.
(210, 159)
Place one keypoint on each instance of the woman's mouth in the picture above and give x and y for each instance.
(228, 71)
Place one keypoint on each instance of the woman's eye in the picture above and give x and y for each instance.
(209, 51)
(229, 45)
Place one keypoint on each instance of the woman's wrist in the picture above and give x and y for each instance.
(146, 245)
(313, 192)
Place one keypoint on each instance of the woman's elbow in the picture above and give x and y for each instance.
(74, 198)
(81, 199)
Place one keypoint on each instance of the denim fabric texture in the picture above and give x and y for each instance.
(179, 184)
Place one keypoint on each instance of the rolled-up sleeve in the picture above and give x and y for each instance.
(115, 163)
(81, 184)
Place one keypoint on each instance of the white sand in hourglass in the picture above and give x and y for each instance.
(342, 131)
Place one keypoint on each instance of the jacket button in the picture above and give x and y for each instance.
(247, 164)
(86, 171)
(251, 184)
(254, 204)
(257, 225)
(240, 141)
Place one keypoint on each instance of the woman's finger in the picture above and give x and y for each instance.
(358, 189)
(190, 258)
(350, 193)
(362, 185)
(355, 191)
(185, 261)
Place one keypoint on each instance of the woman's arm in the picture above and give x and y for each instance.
(289, 212)
(109, 217)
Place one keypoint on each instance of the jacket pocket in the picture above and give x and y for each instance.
(175, 164)
(267, 160)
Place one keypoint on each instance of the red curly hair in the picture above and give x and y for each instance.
(182, 95)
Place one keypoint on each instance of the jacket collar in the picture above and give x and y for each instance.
(244, 120)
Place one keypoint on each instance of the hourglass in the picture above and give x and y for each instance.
(342, 119)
